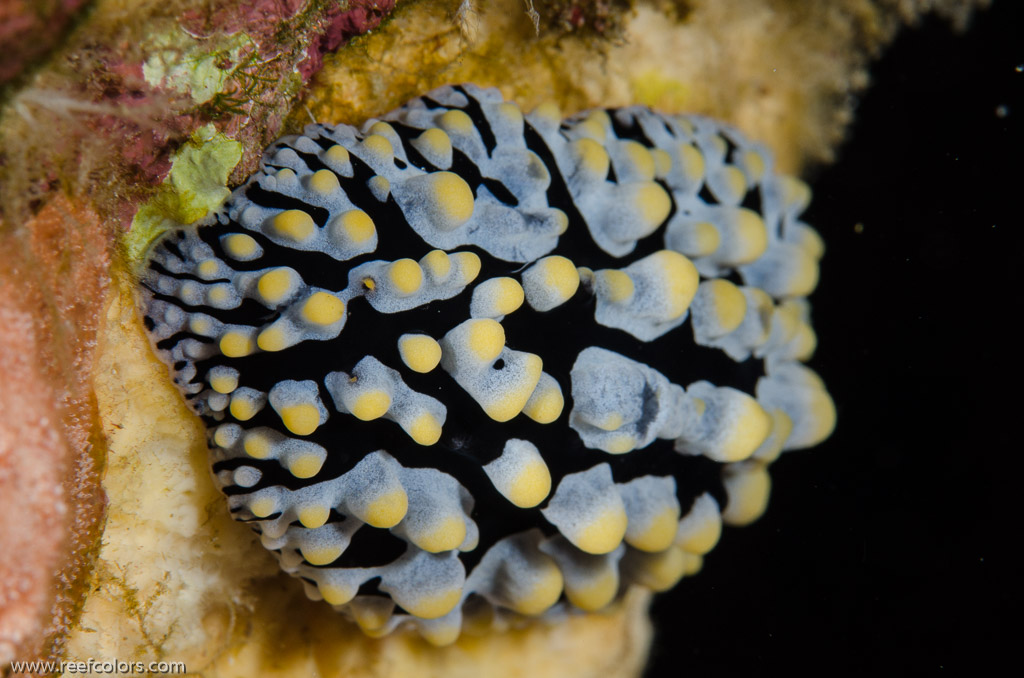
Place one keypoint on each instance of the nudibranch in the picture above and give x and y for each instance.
(445, 363)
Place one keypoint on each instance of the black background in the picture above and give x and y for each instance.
(887, 550)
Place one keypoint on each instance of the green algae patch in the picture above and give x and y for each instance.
(200, 72)
(196, 184)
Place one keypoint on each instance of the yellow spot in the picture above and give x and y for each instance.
(486, 338)
(380, 186)
(337, 154)
(662, 162)
(378, 145)
(440, 636)
(369, 284)
(514, 400)
(591, 157)
(596, 593)
(235, 344)
(782, 427)
(619, 444)
(437, 263)
(511, 113)
(257, 446)
(314, 516)
(531, 485)
(612, 422)
(545, 406)
(285, 174)
(240, 246)
(370, 405)
(603, 534)
(747, 487)
(373, 616)
(375, 633)
(820, 418)
(729, 303)
(224, 382)
(434, 606)
(595, 126)
(680, 280)
(444, 537)
(545, 591)
(750, 428)
(754, 164)
(651, 203)
(535, 168)
(261, 508)
(456, 122)
(222, 438)
(434, 142)
(323, 308)
(700, 406)
(382, 128)
(616, 286)
(693, 564)
(508, 295)
(659, 533)
(405, 275)
(560, 276)
(803, 275)
(600, 117)
(321, 554)
(201, 325)
(812, 378)
(707, 239)
(469, 263)
(324, 182)
(663, 570)
(549, 111)
(786, 320)
(387, 510)
(336, 595)
(425, 429)
(795, 193)
(640, 158)
(685, 125)
(703, 538)
(301, 419)
(277, 285)
(735, 180)
(451, 199)
(274, 338)
(719, 143)
(294, 224)
(208, 268)
(305, 465)
(814, 245)
(692, 161)
(220, 295)
(752, 237)
(561, 221)
(419, 352)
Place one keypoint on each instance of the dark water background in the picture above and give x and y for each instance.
(888, 550)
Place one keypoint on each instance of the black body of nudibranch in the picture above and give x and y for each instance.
(465, 364)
